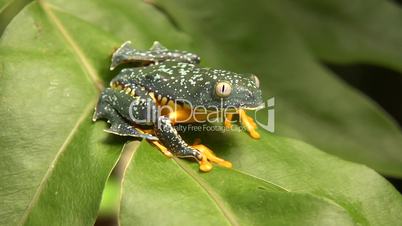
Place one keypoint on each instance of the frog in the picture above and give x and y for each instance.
(146, 101)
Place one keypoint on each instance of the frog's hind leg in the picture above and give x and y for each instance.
(119, 126)
(127, 54)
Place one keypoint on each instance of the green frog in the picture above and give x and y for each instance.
(168, 87)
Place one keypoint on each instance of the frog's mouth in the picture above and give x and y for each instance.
(234, 109)
(258, 107)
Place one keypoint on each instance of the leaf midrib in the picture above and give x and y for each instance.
(81, 57)
(52, 166)
(325, 197)
(229, 215)
(129, 150)
(96, 81)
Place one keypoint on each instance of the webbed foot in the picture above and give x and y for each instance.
(209, 157)
(228, 121)
(249, 124)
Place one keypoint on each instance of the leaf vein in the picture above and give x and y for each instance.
(215, 197)
(93, 75)
(49, 171)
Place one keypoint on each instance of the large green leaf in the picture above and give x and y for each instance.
(4, 4)
(312, 105)
(8, 9)
(54, 160)
(277, 41)
(277, 181)
(129, 20)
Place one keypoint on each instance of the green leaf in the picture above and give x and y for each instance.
(54, 160)
(311, 104)
(4, 4)
(276, 181)
(129, 20)
(277, 41)
(8, 9)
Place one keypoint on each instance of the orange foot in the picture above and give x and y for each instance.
(209, 157)
(228, 121)
(249, 124)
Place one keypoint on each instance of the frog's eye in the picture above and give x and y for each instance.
(256, 80)
(223, 89)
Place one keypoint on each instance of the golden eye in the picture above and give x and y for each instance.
(223, 89)
(256, 81)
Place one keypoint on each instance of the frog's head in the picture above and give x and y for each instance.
(224, 90)
(239, 91)
(208, 88)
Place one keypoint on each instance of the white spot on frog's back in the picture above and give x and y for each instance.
(192, 82)
(183, 72)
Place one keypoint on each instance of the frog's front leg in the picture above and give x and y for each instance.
(169, 137)
(246, 121)
(249, 124)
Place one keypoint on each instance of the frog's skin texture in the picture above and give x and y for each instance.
(132, 103)
(157, 53)
(177, 80)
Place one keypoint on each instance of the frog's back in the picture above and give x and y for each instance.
(184, 81)
(129, 76)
